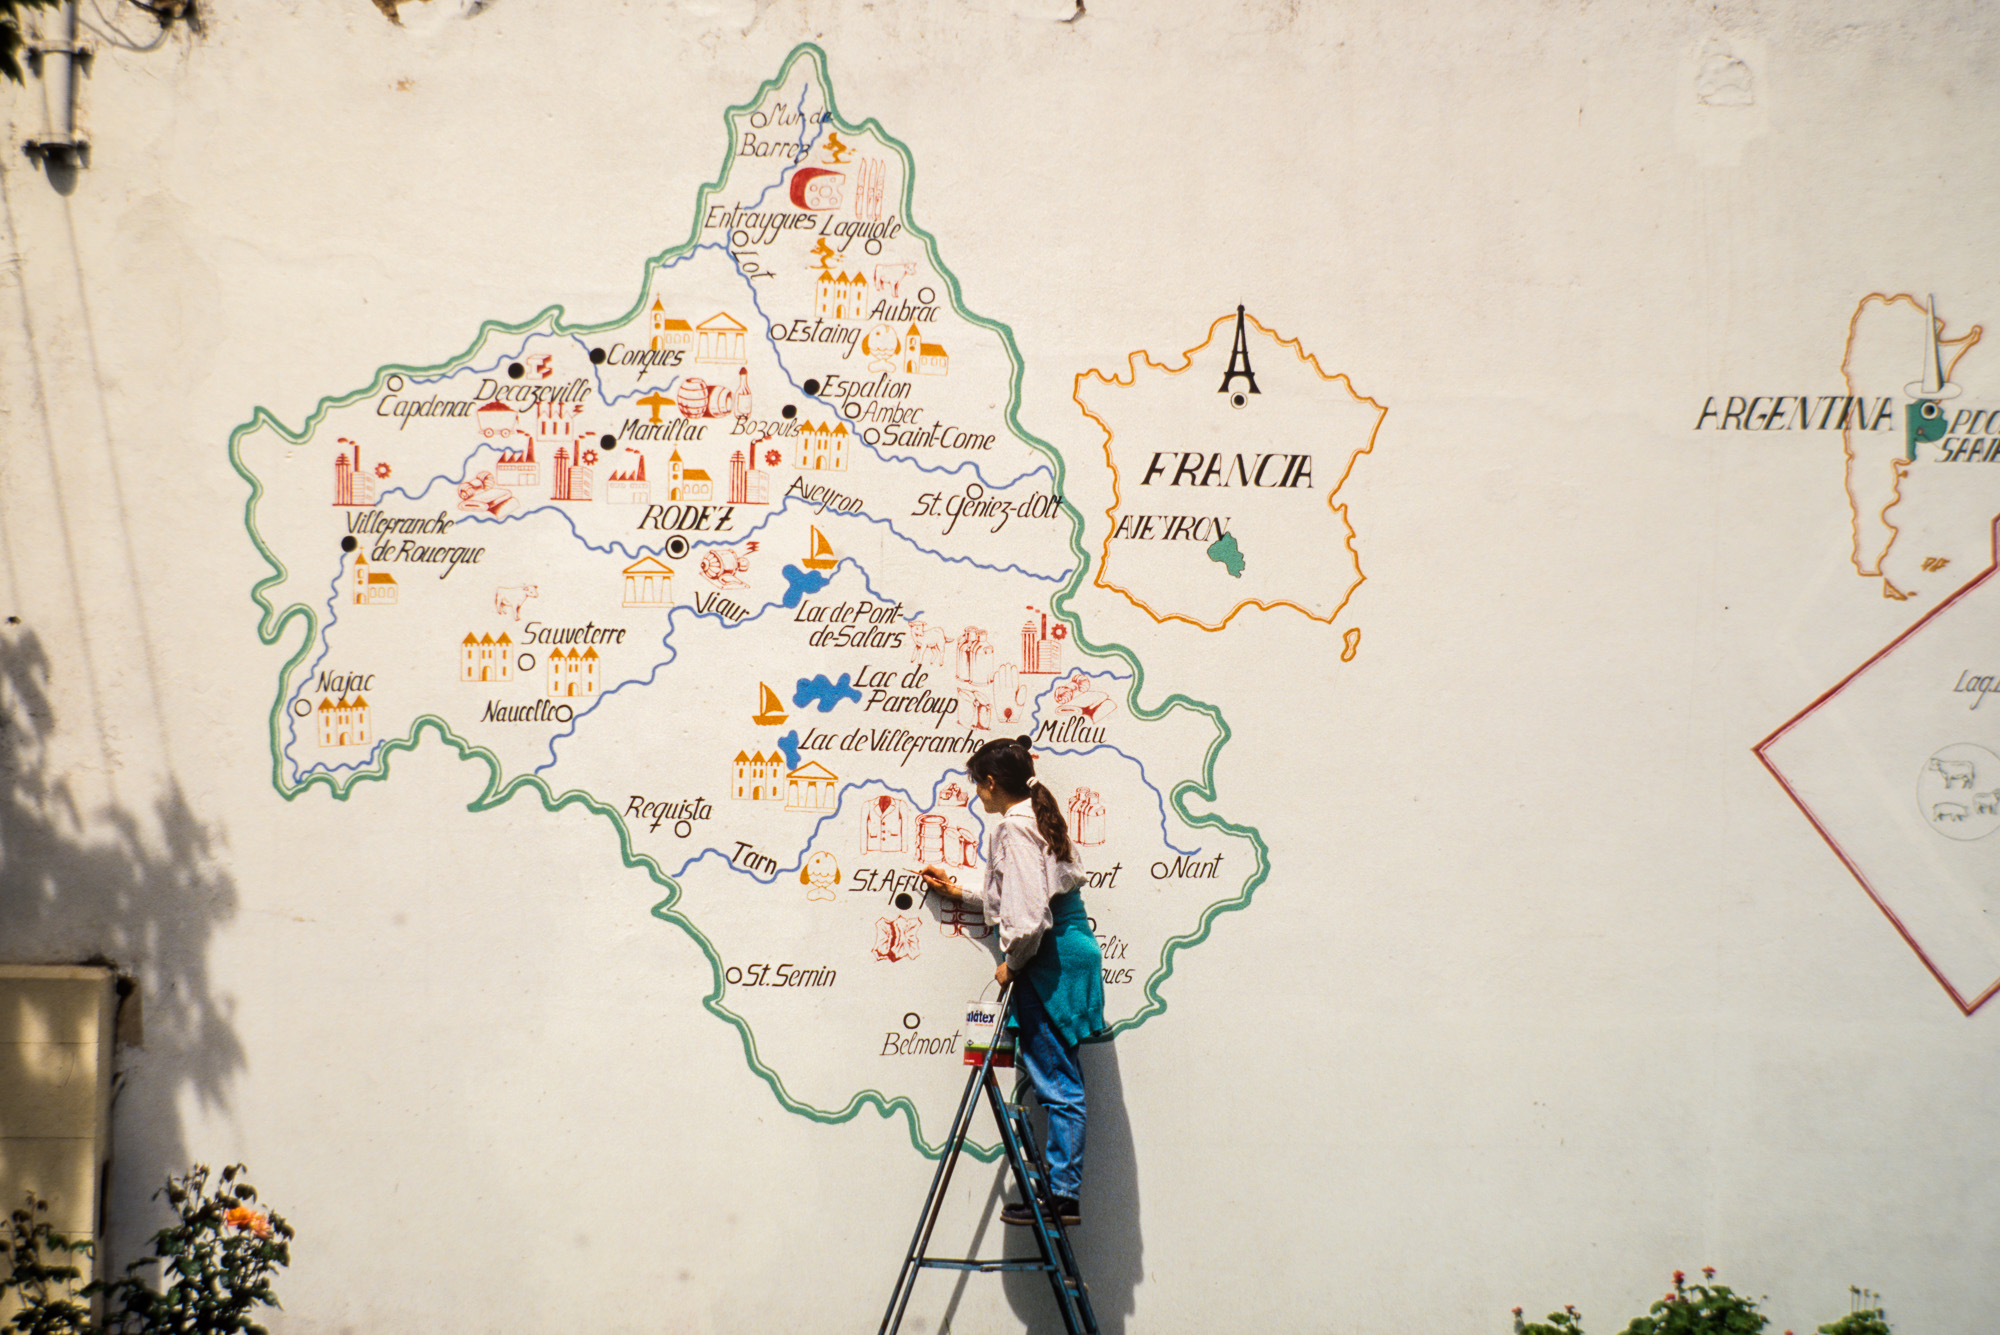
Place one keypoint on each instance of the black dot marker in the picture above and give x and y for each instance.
(515, 370)
(597, 356)
(348, 544)
(903, 901)
(607, 442)
(1238, 400)
(789, 411)
(812, 386)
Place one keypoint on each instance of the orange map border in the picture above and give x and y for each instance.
(1969, 339)
(1339, 511)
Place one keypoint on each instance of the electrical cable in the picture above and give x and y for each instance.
(109, 33)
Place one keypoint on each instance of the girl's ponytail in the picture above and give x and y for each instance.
(1049, 820)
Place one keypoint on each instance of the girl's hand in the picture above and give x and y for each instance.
(1003, 975)
(940, 882)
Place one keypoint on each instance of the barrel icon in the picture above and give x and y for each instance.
(699, 398)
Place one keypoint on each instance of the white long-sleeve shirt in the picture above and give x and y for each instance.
(1022, 876)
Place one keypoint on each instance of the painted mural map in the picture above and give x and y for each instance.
(780, 522)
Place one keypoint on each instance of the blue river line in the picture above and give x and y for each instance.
(834, 411)
(291, 720)
(672, 653)
(833, 815)
(1166, 837)
(1144, 778)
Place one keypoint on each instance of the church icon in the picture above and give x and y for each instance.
(371, 586)
(669, 332)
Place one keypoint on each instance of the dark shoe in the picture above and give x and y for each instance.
(1053, 1208)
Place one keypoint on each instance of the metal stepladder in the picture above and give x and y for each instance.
(1031, 1174)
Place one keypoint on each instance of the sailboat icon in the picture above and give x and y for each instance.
(772, 712)
(1933, 385)
(822, 557)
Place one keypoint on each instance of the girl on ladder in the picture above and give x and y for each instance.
(1030, 895)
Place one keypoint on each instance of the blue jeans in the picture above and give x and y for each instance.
(1058, 1082)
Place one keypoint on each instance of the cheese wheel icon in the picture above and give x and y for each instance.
(816, 189)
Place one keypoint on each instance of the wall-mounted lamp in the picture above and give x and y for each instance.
(54, 56)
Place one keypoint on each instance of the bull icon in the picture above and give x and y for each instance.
(507, 602)
(1957, 773)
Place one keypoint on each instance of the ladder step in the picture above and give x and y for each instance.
(1030, 1170)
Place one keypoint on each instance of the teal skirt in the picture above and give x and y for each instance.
(1067, 973)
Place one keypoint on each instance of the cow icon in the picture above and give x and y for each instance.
(889, 278)
(927, 643)
(1956, 773)
(507, 602)
(1958, 792)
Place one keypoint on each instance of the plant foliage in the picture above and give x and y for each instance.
(10, 33)
(207, 1273)
(1709, 1308)
(1865, 1316)
(1700, 1309)
(40, 1275)
(1565, 1322)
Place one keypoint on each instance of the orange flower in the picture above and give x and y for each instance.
(247, 1220)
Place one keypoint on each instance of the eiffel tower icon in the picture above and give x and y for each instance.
(1239, 365)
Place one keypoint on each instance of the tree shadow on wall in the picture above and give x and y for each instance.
(139, 891)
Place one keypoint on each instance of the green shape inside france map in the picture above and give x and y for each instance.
(1224, 552)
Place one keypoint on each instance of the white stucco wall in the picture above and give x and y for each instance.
(1592, 1006)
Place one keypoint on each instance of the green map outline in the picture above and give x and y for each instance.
(274, 622)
